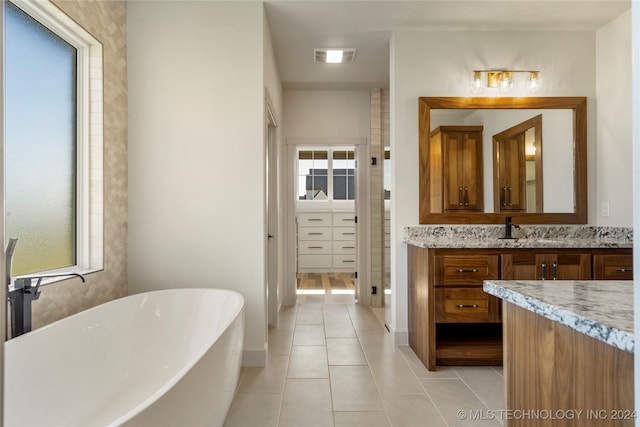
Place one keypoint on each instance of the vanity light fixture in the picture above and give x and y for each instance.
(503, 80)
(334, 56)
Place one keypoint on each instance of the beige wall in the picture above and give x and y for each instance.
(106, 21)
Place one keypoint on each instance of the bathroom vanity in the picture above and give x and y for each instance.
(453, 321)
(568, 352)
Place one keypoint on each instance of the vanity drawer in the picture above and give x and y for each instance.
(456, 270)
(465, 305)
(613, 267)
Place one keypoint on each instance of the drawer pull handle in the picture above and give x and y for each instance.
(348, 260)
(625, 270)
(348, 219)
(348, 247)
(315, 247)
(316, 234)
(467, 270)
(348, 234)
(315, 219)
(467, 306)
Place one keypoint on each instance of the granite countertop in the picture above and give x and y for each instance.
(600, 309)
(526, 236)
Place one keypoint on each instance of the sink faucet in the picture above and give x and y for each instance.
(508, 227)
(23, 293)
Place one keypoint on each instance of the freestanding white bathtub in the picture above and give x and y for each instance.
(163, 358)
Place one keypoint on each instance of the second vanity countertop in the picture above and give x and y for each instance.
(527, 236)
(600, 309)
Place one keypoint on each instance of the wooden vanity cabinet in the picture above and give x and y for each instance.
(456, 168)
(613, 267)
(452, 321)
(541, 266)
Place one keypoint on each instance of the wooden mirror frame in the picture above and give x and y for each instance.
(579, 107)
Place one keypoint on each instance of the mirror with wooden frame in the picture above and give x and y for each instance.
(482, 159)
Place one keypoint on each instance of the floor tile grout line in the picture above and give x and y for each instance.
(472, 390)
(434, 403)
(384, 407)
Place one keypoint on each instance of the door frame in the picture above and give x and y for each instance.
(272, 238)
(361, 211)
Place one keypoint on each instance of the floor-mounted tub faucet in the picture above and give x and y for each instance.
(23, 292)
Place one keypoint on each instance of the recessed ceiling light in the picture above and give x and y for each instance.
(334, 56)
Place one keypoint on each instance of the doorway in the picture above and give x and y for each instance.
(327, 253)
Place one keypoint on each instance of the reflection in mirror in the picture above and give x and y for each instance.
(517, 168)
(518, 178)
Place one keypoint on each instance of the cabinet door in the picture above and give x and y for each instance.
(531, 266)
(613, 267)
(569, 266)
(523, 266)
(452, 168)
(462, 155)
(511, 174)
(471, 153)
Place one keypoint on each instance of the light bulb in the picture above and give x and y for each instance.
(533, 84)
(506, 81)
(476, 85)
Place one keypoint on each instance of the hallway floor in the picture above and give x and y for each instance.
(332, 363)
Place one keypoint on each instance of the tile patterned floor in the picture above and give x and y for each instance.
(331, 363)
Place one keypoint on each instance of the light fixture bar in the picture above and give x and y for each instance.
(502, 79)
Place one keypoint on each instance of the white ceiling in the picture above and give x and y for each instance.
(297, 27)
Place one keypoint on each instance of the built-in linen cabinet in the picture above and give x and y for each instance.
(452, 321)
(326, 242)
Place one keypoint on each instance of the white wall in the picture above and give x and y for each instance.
(614, 148)
(273, 90)
(440, 64)
(326, 113)
(196, 152)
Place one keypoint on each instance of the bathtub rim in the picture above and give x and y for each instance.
(148, 400)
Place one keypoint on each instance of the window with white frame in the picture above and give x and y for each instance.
(326, 174)
(53, 140)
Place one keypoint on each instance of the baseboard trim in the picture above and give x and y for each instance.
(400, 337)
(251, 358)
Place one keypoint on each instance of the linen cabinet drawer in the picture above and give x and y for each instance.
(465, 305)
(344, 233)
(344, 247)
(314, 261)
(613, 267)
(314, 233)
(344, 261)
(314, 219)
(309, 247)
(455, 270)
(344, 219)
